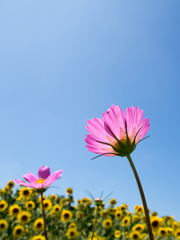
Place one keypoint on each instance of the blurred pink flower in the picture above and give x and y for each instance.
(45, 178)
(116, 134)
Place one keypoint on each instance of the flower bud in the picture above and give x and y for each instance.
(44, 172)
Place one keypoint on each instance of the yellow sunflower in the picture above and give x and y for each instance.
(3, 205)
(107, 223)
(167, 218)
(69, 191)
(14, 210)
(126, 234)
(39, 199)
(24, 217)
(56, 209)
(84, 200)
(38, 237)
(126, 221)
(154, 214)
(104, 212)
(38, 225)
(118, 215)
(46, 203)
(10, 184)
(1, 192)
(177, 233)
(123, 207)
(66, 216)
(81, 206)
(63, 201)
(139, 228)
(135, 235)
(71, 233)
(18, 231)
(174, 225)
(72, 225)
(53, 197)
(162, 232)
(7, 190)
(117, 234)
(135, 218)
(111, 211)
(30, 205)
(155, 223)
(3, 225)
(139, 210)
(112, 202)
(143, 235)
(89, 202)
(143, 218)
(80, 214)
(25, 193)
(169, 231)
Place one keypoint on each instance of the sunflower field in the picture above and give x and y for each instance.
(21, 218)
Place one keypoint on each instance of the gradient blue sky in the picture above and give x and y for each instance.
(64, 62)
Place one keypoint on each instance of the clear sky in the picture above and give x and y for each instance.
(63, 62)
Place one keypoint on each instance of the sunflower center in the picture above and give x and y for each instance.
(18, 231)
(46, 205)
(40, 180)
(39, 225)
(24, 217)
(135, 236)
(72, 234)
(15, 210)
(138, 228)
(25, 192)
(155, 224)
(2, 225)
(66, 215)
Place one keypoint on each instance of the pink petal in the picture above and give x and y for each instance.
(30, 177)
(96, 128)
(19, 182)
(114, 118)
(52, 178)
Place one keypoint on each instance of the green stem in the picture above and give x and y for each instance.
(95, 223)
(142, 197)
(44, 217)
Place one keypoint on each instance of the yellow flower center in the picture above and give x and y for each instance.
(40, 180)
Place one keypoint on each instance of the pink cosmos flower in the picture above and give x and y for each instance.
(116, 133)
(44, 179)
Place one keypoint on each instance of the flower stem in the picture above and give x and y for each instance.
(142, 197)
(95, 223)
(45, 232)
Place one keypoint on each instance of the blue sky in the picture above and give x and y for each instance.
(64, 62)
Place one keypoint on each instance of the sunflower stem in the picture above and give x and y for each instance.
(45, 232)
(95, 223)
(142, 197)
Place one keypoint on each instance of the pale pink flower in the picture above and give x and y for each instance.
(44, 180)
(116, 133)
